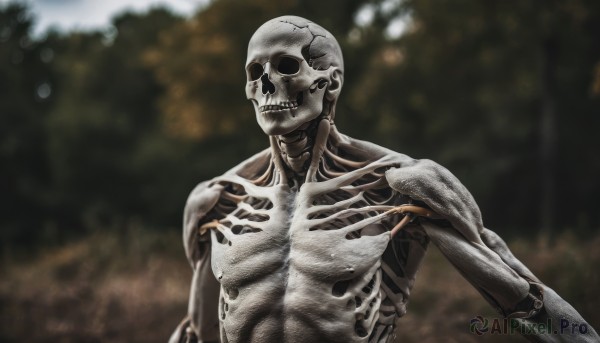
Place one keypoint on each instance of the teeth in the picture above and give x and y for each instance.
(282, 105)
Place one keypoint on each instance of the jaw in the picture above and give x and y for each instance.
(277, 123)
(284, 121)
(279, 114)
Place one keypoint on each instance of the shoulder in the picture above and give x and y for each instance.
(423, 180)
(364, 150)
(199, 203)
(202, 198)
(401, 168)
(399, 164)
(206, 194)
(419, 172)
(252, 166)
(431, 183)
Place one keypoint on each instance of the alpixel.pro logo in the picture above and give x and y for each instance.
(478, 325)
(504, 326)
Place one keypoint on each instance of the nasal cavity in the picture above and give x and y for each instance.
(267, 85)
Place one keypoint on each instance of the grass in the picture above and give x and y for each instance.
(105, 288)
(133, 287)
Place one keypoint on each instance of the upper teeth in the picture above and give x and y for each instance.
(278, 107)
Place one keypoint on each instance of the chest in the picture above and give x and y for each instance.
(319, 231)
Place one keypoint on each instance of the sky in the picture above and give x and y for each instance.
(397, 25)
(95, 14)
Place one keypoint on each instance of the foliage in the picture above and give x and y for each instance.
(107, 129)
(108, 151)
(469, 86)
(201, 62)
(133, 287)
(24, 83)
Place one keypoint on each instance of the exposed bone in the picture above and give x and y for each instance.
(368, 312)
(328, 173)
(337, 206)
(277, 160)
(297, 162)
(400, 225)
(210, 225)
(320, 140)
(232, 197)
(293, 149)
(268, 173)
(380, 183)
(309, 240)
(343, 161)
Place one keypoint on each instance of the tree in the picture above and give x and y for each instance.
(201, 61)
(25, 97)
(109, 155)
(490, 90)
(499, 93)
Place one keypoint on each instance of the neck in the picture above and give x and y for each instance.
(297, 154)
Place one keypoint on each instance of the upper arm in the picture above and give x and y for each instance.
(429, 182)
(204, 293)
(199, 203)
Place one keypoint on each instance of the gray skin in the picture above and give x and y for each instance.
(295, 244)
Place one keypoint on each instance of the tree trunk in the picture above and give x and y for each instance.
(548, 136)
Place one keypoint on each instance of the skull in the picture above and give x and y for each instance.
(294, 74)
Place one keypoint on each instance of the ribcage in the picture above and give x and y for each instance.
(351, 203)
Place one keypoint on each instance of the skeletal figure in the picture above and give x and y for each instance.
(319, 237)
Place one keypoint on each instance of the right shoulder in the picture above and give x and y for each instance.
(253, 166)
(199, 203)
(202, 199)
(206, 194)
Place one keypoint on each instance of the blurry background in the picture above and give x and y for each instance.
(106, 124)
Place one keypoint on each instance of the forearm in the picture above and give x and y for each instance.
(556, 321)
(532, 308)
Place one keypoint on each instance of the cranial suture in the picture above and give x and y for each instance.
(319, 237)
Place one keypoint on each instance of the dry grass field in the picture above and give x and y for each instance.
(133, 288)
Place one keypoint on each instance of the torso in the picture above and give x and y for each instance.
(308, 263)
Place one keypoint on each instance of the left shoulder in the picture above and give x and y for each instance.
(429, 182)
(367, 151)
(402, 171)
(404, 164)
(417, 173)
(422, 180)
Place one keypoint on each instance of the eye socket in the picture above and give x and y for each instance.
(255, 71)
(288, 66)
